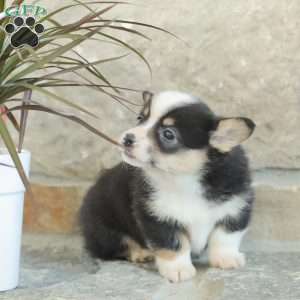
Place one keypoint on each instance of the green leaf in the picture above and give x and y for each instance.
(143, 25)
(61, 9)
(76, 83)
(84, 20)
(23, 118)
(57, 97)
(71, 117)
(17, 2)
(53, 55)
(6, 165)
(11, 118)
(2, 5)
(13, 153)
(83, 66)
(120, 28)
(11, 92)
(93, 70)
(129, 47)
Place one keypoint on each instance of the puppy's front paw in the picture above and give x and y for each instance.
(227, 259)
(176, 272)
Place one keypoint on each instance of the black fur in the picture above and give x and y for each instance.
(194, 123)
(227, 174)
(116, 206)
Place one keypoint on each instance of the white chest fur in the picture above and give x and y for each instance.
(181, 198)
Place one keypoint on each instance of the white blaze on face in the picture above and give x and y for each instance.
(144, 147)
(167, 101)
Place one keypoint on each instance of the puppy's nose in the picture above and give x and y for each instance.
(128, 140)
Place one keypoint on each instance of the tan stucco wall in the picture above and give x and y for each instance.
(242, 58)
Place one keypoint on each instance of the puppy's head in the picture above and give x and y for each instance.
(175, 131)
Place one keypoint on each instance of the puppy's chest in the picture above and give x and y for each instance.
(181, 199)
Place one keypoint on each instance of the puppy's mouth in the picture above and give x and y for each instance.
(128, 153)
(134, 160)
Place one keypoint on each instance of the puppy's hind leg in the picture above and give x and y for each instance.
(103, 242)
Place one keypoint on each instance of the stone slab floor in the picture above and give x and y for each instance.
(54, 268)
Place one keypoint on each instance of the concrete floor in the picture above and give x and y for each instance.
(53, 268)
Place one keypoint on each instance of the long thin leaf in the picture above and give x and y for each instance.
(57, 97)
(12, 119)
(17, 2)
(83, 66)
(84, 20)
(86, 6)
(11, 92)
(67, 116)
(74, 83)
(144, 25)
(61, 9)
(13, 153)
(93, 70)
(99, 88)
(2, 5)
(129, 47)
(120, 28)
(23, 118)
(53, 55)
(103, 91)
(6, 165)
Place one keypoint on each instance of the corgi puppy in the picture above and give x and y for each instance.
(184, 186)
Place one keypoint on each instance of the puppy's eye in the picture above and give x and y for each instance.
(169, 134)
(168, 138)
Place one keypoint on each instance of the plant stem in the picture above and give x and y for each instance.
(2, 5)
(23, 119)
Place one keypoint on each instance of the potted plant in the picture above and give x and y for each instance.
(25, 71)
(11, 218)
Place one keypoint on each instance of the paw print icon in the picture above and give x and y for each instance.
(24, 31)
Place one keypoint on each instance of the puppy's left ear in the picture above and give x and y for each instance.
(231, 132)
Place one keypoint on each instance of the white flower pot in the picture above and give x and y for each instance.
(11, 219)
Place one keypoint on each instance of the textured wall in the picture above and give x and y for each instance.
(242, 57)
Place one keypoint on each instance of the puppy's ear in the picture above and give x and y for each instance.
(147, 96)
(230, 132)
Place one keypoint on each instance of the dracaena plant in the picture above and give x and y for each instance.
(56, 55)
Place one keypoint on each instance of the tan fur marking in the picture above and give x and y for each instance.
(230, 133)
(171, 255)
(186, 161)
(168, 121)
(136, 253)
